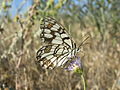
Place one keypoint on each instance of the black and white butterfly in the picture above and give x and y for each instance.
(59, 46)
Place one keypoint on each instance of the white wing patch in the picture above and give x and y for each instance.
(54, 29)
(48, 35)
(56, 26)
(47, 31)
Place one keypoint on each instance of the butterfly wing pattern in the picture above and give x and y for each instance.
(59, 46)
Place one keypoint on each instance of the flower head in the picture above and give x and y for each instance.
(75, 65)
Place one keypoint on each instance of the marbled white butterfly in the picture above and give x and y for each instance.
(59, 46)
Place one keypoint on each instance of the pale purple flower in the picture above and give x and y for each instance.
(75, 64)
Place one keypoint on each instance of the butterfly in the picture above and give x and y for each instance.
(59, 46)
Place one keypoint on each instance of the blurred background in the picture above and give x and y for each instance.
(20, 40)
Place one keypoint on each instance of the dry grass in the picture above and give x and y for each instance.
(18, 69)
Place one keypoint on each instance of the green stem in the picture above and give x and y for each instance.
(84, 83)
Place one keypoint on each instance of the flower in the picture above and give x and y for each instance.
(75, 65)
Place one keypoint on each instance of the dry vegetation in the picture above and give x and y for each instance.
(19, 41)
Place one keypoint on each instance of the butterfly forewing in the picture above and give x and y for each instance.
(54, 33)
(59, 46)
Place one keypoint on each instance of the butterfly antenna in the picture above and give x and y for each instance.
(82, 43)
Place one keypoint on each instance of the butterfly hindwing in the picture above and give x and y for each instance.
(52, 55)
